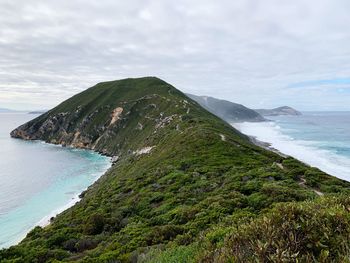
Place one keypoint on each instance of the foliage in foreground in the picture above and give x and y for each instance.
(310, 231)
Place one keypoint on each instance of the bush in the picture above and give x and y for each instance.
(94, 224)
(85, 244)
(160, 234)
(70, 245)
(308, 232)
(35, 232)
(57, 239)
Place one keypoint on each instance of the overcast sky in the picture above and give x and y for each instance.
(261, 53)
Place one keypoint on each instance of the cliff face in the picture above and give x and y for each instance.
(183, 179)
(226, 110)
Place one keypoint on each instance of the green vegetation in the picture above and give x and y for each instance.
(309, 231)
(204, 192)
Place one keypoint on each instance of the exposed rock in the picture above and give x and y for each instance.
(76, 136)
(115, 159)
(144, 150)
(165, 121)
(116, 114)
(139, 126)
(279, 165)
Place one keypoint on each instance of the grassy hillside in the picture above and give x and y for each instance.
(184, 187)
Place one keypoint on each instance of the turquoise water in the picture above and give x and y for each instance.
(325, 130)
(321, 139)
(38, 180)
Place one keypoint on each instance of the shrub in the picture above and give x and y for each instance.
(94, 224)
(307, 232)
(160, 234)
(35, 232)
(70, 245)
(85, 244)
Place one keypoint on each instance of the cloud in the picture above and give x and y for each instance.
(248, 51)
(322, 82)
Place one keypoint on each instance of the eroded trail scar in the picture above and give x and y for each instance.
(116, 114)
(302, 183)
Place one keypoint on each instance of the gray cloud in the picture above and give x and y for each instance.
(248, 51)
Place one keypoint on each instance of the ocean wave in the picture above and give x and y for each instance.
(308, 151)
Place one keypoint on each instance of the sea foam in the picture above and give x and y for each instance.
(307, 151)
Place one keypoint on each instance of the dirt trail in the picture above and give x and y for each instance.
(302, 183)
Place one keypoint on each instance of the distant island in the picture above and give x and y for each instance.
(37, 112)
(5, 110)
(285, 110)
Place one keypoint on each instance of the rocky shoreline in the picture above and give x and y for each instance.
(266, 146)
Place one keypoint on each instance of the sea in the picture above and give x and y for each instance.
(39, 180)
(320, 139)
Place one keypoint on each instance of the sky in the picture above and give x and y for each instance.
(260, 53)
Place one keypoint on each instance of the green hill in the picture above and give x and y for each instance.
(227, 110)
(185, 186)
